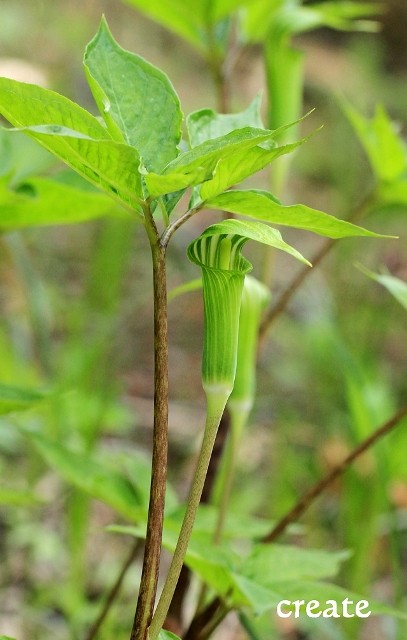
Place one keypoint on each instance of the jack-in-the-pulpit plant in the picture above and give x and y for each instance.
(132, 152)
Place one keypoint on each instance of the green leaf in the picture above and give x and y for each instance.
(236, 168)
(262, 205)
(6, 638)
(322, 591)
(206, 124)
(92, 476)
(165, 635)
(186, 19)
(393, 193)
(269, 564)
(136, 100)
(158, 185)
(18, 497)
(382, 143)
(18, 399)
(21, 157)
(395, 286)
(74, 136)
(222, 162)
(41, 201)
(254, 231)
(281, 19)
(222, 8)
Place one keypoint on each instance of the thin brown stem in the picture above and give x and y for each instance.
(152, 553)
(285, 297)
(172, 228)
(114, 592)
(310, 496)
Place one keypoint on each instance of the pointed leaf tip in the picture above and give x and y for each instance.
(135, 98)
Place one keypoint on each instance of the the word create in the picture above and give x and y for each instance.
(329, 609)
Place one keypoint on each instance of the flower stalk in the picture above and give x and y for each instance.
(223, 272)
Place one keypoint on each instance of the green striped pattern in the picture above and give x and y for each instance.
(223, 272)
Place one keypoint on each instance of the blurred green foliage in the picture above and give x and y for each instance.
(333, 369)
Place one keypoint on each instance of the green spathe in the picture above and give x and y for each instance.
(255, 298)
(223, 271)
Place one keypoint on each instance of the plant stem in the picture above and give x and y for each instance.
(205, 616)
(310, 496)
(152, 553)
(280, 306)
(227, 471)
(114, 592)
(170, 230)
(215, 410)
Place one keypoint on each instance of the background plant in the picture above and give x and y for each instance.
(354, 337)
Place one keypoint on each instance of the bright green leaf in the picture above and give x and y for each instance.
(92, 476)
(88, 148)
(395, 286)
(262, 205)
(18, 399)
(206, 124)
(158, 185)
(222, 162)
(42, 201)
(186, 19)
(254, 231)
(137, 100)
(243, 164)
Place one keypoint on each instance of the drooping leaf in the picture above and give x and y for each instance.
(262, 205)
(74, 136)
(18, 399)
(254, 231)
(92, 476)
(42, 201)
(395, 286)
(136, 100)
